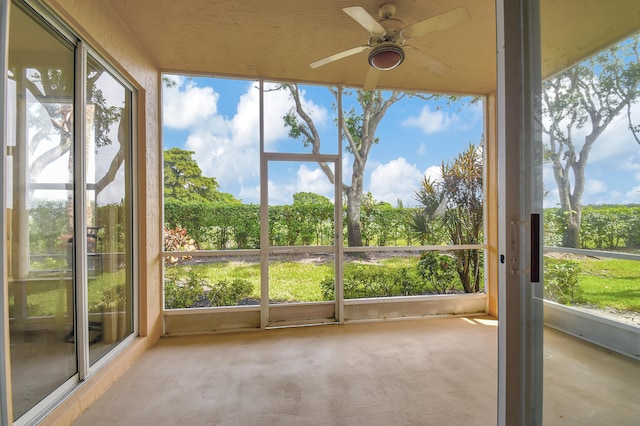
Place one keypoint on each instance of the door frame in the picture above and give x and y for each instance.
(321, 307)
(519, 175)
(265, 249)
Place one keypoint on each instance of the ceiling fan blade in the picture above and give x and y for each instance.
(363, 18)
(430, 63)
(371, 79)
(440, 22)
(338, 56)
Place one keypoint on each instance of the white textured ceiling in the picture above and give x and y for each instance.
(277, 39)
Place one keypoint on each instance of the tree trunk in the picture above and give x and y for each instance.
(467, 267)
(354, 202)
(571, 201)
(571, 237)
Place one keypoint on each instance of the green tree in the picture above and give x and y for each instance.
(589, 95)
(310, 198)
(359, 130)
(183, 180)
(315, 217)
(454, 203)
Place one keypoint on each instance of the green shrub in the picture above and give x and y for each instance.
(228, 292)
(555, 224)
(561, 281)
(326, 288)
(438, 271)
(195, 290)
(180, 292)
(605, 227)
(633, 239)
(361, 281)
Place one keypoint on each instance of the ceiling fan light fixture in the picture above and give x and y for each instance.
(386, 56)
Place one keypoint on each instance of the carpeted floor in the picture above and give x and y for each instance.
(437, 371)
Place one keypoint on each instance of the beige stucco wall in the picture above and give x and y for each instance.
(101, 29)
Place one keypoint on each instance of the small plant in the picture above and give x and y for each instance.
(112, 298)
(327, 286)
(183, 292)
(561, 281)
(438, 271)
(228, 292)
(375, 281)
(193, 289)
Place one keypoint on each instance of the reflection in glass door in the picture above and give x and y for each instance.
(108, 210)
(39, 186)
(590, 106)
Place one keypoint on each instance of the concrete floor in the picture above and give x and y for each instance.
(438, 371)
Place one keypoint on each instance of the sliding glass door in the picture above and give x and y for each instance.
(40, 216)
(68, 213)
(568, 86)
(108, 209)
(589, 157)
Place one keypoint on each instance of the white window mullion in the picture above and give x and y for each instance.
(337, 220)
(264, 221)
(6, 406)
(81, 326)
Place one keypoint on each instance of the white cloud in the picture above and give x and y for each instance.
(347, 167)
(277, 104)
(433, 173)
(432, 121)
(633, 195)
(630, 164)
(306, 180)
(280, 193)
(395, 180)
(616, 142)
(228, 147)
(422, 149)
(98, 161)
(185, 104)
(595, 187)
(250, 194)
(244, 127)
(314, 180)
(614, 145)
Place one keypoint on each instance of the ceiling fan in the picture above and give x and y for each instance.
(389, 37)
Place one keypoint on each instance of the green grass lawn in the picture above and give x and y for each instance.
(52, 300)
(604, 283)
(289, 281)
(611, 283)
(297, 281)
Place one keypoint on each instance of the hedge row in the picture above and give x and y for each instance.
(238, 226)
(603, 227)
(220, 227)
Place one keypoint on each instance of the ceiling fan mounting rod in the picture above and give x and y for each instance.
(374, 41)
(387, 11)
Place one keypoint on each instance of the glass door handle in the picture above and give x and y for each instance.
(535, 248)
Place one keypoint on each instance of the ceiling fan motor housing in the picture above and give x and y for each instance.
(386, 56)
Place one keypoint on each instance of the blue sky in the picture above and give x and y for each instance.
(218, 119)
